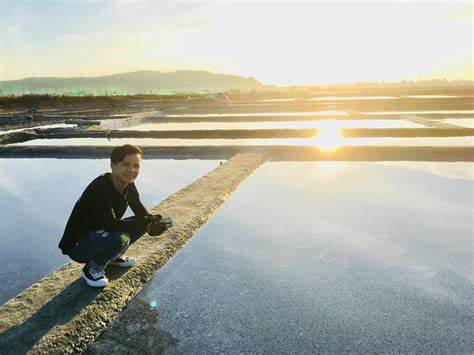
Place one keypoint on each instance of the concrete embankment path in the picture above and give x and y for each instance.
(60, 314)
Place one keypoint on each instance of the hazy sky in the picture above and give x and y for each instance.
(277, 42)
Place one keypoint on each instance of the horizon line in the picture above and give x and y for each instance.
(414, 81)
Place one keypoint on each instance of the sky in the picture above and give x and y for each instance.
(279, 43)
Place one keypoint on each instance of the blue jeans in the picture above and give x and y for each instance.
(102, 246)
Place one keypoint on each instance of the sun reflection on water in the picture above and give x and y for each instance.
(329, 137)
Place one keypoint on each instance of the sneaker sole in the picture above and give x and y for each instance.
(99, 283)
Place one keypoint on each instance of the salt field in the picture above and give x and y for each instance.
(304, 257)
(345, 256)
(38, 195)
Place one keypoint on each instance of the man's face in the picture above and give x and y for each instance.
(127, 170)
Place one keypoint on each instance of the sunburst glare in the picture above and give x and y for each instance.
(329, 137)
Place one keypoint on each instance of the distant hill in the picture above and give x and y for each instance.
(144, 81)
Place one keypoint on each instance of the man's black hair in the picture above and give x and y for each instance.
(121, 152)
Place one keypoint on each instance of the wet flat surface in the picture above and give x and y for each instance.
(327, 257)
(281, 124)
(37, 196)
(330, 140)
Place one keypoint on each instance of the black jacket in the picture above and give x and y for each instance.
(101, 206)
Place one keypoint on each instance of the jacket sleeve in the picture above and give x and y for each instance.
(134, 201)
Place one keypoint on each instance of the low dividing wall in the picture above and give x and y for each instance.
(261, 133)
(60, 314)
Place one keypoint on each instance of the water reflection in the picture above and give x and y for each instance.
(329, 137)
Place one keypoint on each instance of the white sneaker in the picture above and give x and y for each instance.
(94, 278)
(123, 261)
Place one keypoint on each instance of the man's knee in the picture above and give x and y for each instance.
(124, 239)
(120, 240)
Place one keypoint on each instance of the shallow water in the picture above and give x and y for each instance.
(345, 256)
(329, 142)
(279, 124)
(37, 196)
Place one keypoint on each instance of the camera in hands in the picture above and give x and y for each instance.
(159, 225)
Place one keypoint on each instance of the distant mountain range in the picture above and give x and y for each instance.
(144, 81)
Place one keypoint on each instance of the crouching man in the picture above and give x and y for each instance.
(95, 234)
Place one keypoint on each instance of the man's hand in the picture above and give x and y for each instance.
(153, 217)
(150, 220)
(154, 227)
